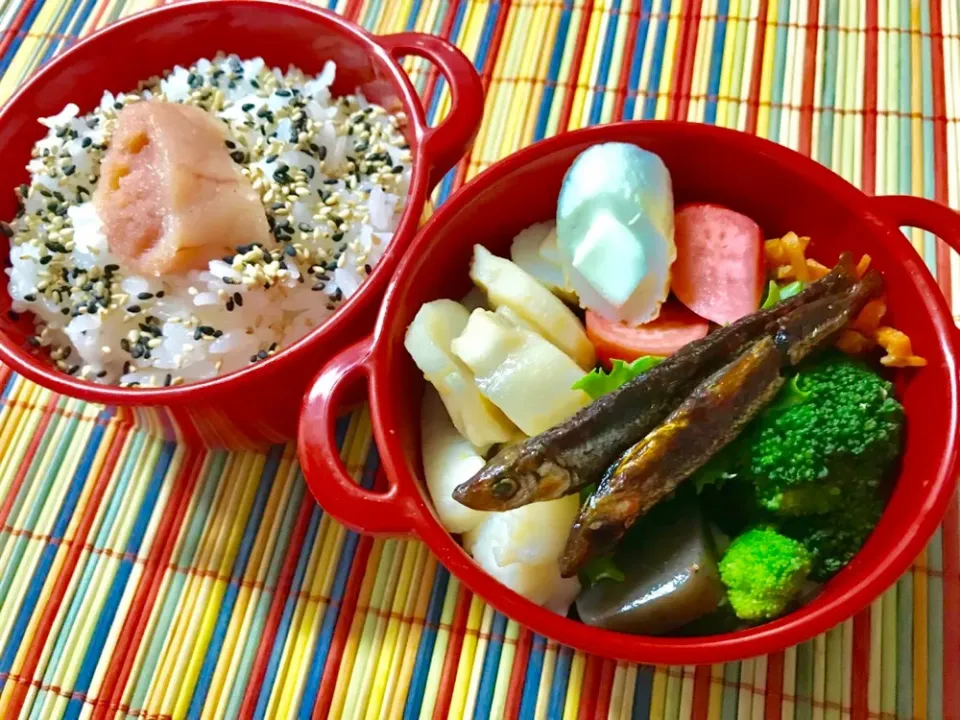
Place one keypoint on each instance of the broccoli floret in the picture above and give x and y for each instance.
(834, 430)
(763, 572)
(834, 538)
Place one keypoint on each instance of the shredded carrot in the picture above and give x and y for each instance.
(853, 342)
(774, 253)
(869, 318)
(795, 247)
(816, 270)
(787, 261)
(898, 347)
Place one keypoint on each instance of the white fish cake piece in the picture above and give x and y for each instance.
(428, 340)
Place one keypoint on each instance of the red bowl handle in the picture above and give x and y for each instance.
(387, 513)
(929, 215)
(444, 145)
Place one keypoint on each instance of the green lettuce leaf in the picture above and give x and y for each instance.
(599, 382)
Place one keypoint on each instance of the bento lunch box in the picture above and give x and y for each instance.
(782, 191)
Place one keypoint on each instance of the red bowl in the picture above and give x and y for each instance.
(222, 411)
(782, 191)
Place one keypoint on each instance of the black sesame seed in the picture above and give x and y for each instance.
(127, 367)
(238, 299)
(305, 228)
(206, 330)
(218, 333)
(255, 84)
(262, 355)
(34, 341)
(405, 146)
(92, 307)
(271, 158)
(367, 268)
(52, 206)
(102, 374)
(227, 259)
(86, 142)
(69, 170)
(45, 260)
(397, 169)
(230, 144)
(73, 370)
(290, 250)
(331, 181)
(336, 220)
(64, 311)
(309, 171)
(134, 309)
(253, 358)
(319, 286)
(144, 296)
(118, 105)
(237, 156)
(167, 380)
(30, 297)
(161, 293)
(197, 334)
(137, 352)
(337, 237)
(229, 305)
(63, 131)
(283, 93)
(247, 107)
(111, 268)
(125, 346)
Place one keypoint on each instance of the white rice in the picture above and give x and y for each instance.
(333, 218)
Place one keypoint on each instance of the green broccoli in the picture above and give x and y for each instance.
(763, 572)
(834, 430)
(834, 538)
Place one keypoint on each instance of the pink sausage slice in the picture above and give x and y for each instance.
(719, 271)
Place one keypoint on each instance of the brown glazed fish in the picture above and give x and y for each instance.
(577, 452)
(705, 422)
(814, 326)
(693, 433)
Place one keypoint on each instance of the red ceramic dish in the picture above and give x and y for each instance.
(259, 403)
(782, 191)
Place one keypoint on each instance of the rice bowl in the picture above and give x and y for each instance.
(332, 174)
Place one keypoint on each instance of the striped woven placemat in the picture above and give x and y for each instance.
(142, 579)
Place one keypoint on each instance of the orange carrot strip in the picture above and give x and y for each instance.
(816, 270)
(898, 347)
(863, 265)
(869, 318)
(852, 342)
(774, 253)
(795, 248)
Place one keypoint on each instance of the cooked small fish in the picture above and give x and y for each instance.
(703, 424)
(577, 452)
(813, 326)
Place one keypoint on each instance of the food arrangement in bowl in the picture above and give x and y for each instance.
(214, 205)
(655, 418)
(202, 222)
(692, 390)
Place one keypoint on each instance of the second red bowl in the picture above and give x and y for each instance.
(782, 191)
